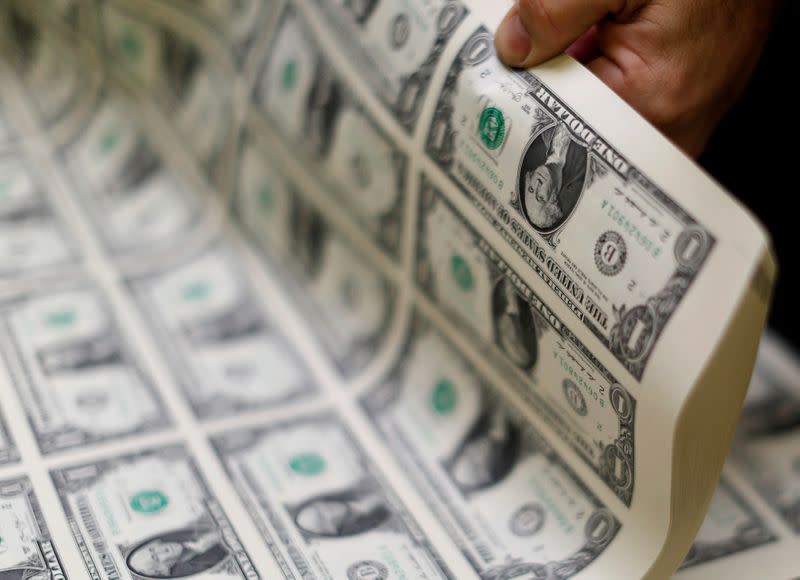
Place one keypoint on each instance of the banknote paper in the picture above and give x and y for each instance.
(731, 526)
(134, 200)
(395, 45)
(53, 65)
(202, 200)
(33, 237)
(312, 108)
(52, 75)
(150, 515)
(771, 411)
(345, 298)
(79, 380)
(174, 71)
(321, 505)
(50, 71)
(613, 247)
(8, 448)
(511, 504)
(237, 22)
(772, 465)
(264, 202)
(27, 551)
(764, 459)
(203, 113)
(68, 12)
(562, 378)
(767, 449)
(772, 406)
(146, 50)
(228, 354)
(6, 136)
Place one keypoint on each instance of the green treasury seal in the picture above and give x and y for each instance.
(492, 127)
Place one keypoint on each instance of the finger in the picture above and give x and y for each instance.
(536, 30)
(586, 48)
(612, 75)
(689, 134)
(634, 86)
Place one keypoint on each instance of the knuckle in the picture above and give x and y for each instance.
(671, 102)
(540, 14)
(661, 91)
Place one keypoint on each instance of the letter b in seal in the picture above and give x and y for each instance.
(610, 253)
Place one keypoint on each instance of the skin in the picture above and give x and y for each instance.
(680, 63)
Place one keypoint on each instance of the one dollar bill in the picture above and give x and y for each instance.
(614, 248)
(134, 200)
(150, 515)
(80, 381)
(227, 352)
(33, 237)
(513, 506)
(562, 379)
(321, 505)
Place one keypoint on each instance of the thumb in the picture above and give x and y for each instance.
(534, 31)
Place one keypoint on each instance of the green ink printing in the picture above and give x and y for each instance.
(461, 272)
(149, 502)
(492, 127)
(307, 464)
(444, 397)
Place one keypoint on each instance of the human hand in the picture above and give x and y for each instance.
(680, 63)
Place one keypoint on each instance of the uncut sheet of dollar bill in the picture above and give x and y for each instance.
(320, 289)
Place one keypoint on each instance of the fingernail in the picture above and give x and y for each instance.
(512, 41)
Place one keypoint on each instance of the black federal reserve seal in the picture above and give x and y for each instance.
(574, 397)
(400, 31)
(610, 253)
(527, 520)
(367, 570)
